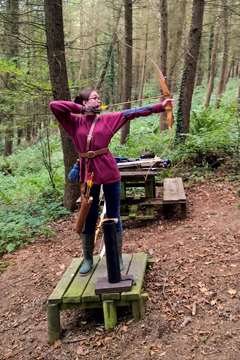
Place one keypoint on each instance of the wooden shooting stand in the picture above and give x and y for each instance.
(76, 292)
(173, 194)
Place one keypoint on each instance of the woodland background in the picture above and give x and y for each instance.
(52, 49)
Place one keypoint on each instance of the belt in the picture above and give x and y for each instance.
(91, 154)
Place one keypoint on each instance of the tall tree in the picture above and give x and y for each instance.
(12, 32)
(163, 52)
(225, 55)
(128, 67)
(144, 61)
(213, 60)
(60, 89)
(188, 77)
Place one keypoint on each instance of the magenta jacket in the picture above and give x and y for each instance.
(104, 166)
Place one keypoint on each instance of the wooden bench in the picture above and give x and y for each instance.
(173, 193)
(76, 292)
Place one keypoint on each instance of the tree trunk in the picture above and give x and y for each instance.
(187, 84)
(140, 96)
(237, 72)
(60, 89)
(109, 53)
(221, 84)
(12, 32)
(163, 54)
(176, 43)
(128, 67)
(213, 62)
(200, 67)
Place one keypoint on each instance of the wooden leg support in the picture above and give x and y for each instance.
(54, 327)
(183, 211)
(138, 308)
(149, 192)
(110, 313)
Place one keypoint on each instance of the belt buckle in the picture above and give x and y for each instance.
(90, 154)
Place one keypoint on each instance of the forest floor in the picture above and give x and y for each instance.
(197, 263)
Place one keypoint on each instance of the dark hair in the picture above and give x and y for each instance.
(84, 95)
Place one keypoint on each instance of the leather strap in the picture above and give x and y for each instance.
(91, 154)
(88, 145)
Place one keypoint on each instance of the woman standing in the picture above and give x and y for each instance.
(96, 158)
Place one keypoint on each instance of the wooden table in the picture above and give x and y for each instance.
(76, 292)
(146, 180)
(173, 194)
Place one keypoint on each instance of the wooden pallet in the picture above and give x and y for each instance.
(173, 193)
(76, 292)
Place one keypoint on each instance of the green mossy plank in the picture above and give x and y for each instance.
(137, 268)
(126, 263)
(134, 208)
(139, 217)
(65, 282)
(110, 296)
(127, 258)
(77, 287)
(81, 305)
(101, 271)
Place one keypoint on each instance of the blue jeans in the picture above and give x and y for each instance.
(112, 194)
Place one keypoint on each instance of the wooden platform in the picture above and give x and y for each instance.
(76, 292)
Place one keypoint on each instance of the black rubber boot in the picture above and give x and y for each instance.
(119, 242)
(88, 247)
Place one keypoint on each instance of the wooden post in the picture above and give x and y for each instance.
(110, 313)
(138, 309)
(183, 211)
(54, 327)
(149, 193)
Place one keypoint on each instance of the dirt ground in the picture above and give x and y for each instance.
(197, 265)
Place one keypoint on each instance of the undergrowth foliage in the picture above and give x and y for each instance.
(27, 198)
(31, 192)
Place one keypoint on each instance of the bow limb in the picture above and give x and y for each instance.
(166, 95)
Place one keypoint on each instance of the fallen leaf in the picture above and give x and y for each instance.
(220, 307)
(203, 289)
(81, 352)
(214, 322)
(213, 302)
(232, 292)
(124, 328)
(163, 353)
(159, 346)
(108, 338)
(188, 307)
(57, 344)
(233, 265)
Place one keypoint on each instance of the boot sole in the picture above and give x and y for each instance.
(87, 272)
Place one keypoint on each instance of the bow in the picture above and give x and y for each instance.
(162, 82)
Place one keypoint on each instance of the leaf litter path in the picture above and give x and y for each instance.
(197, 269)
